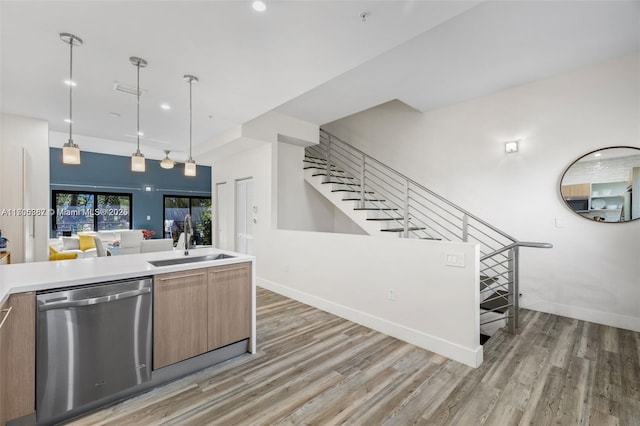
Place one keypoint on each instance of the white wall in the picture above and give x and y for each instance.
(436, 306)
(300, 206)
(256, 164)
(592, 271)
(31, 135)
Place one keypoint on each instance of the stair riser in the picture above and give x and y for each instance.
(367, 204)
(491, 328)
(344, 187)
(391, 224)
(382, 214)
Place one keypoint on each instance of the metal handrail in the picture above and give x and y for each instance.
(426, 214)
(517, 244)
(441, 198)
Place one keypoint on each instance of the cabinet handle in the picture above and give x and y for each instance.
(182, 276)
(8, 311)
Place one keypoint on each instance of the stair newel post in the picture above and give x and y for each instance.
(516, 288)
(406, 208)
(363, 164)
(329, 159)
(514, 304)
(465, 228)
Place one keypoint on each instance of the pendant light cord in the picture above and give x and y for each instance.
(71, 90)
(138, 108)
(190, 119)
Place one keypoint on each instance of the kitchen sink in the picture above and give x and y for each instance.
(189, 259)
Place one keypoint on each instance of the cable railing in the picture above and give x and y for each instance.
(411, 210)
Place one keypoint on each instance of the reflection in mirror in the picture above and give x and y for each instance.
(604, 185)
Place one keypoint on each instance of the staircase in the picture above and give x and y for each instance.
(383, 201)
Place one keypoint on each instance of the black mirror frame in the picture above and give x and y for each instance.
(565, 202)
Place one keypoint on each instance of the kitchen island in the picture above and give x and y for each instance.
(203, 313)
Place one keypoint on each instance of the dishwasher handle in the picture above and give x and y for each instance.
(93, 300)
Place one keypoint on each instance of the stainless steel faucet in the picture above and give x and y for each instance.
(188, 231)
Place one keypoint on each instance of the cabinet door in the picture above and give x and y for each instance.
(179, 316)
(18, 357)
(229, 304)
(578, 190)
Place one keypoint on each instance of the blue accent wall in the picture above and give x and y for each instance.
(112, 173)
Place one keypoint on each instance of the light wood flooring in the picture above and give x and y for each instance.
(315, 368)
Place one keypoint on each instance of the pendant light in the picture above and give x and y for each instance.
(137, 158)
(167, 163)
(190, 165)
(70, 151)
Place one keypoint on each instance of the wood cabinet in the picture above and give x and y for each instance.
(576, 191)
(17, 357)
(229, 304)
(200, 310)
(179, 316)
(5, 258)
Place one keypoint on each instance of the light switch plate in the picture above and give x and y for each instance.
(454, 259)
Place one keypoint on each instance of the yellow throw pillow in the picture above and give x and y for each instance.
(86, 242)
(63, 256)
(52, 250)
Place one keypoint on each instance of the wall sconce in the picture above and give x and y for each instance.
(511, 147)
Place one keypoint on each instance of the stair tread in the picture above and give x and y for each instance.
(324, 174)
(486, 281)
(350, 190)
(431, 238)
(342, 183)
(484, 338)
(411, 228)
(374, 208)
(497, 304)
(333, 171)
(367, 199)
(385, 218)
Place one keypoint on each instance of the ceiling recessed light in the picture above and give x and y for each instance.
(259, 6)
(140, 133)
(66, 120)
(70, 83)
(597, 154)
(165, 107)
(114, 114)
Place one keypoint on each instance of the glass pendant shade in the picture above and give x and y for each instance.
(70, 153)
(167, 163)
(137, 162)
(137, 158)
(190, 165)
(190, 168)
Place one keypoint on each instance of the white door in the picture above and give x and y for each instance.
(244, 216)
(221, 218)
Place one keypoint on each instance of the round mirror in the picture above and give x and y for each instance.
(604, 185)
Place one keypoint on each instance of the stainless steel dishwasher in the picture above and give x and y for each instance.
(93, 342)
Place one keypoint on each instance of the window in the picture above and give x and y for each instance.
(90, 211)
(175, 210)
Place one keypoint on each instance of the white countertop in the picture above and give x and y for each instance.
(23, 277)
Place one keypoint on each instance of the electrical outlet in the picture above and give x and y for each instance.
(391, 295)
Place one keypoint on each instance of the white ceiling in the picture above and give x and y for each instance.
(315, 60)
(248, 63)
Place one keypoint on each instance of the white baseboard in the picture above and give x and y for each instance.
(584, 314)
(470, 357)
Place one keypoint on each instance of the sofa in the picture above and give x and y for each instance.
(83, 244)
